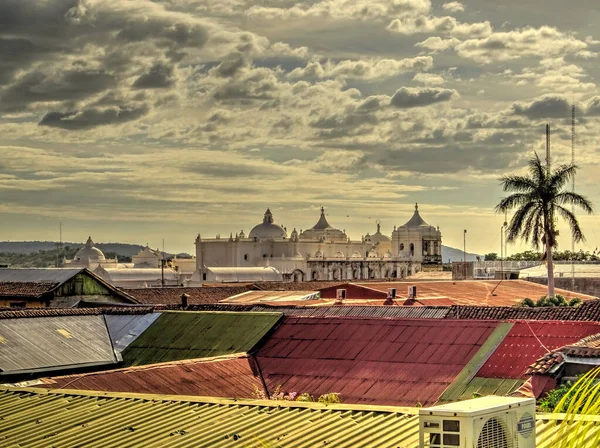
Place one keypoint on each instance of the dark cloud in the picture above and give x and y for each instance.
(548, 106)
(17, 54)
(230, 170)
(158, 77)
(593, 107)
(232, 64)
(92, 117)
(406, 97)
(67, 86)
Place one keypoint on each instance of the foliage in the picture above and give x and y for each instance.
(330, 398)
(557, 255)
(557, 300)
(582, 398)
(492, 256)
(48, 258)
(550, 401)
(278, 395)
(538, 199)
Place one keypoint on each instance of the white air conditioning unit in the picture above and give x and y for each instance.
(412, 292)
(487, 422)
(391, 294)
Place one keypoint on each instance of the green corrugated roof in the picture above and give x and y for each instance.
(481, 387)
(35, 418)
(187, 335)
(456, 391)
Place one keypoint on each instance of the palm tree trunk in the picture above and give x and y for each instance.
(550, 266)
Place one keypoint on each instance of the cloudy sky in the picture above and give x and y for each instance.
(134, 120)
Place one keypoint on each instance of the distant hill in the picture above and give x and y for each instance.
(29, 247)
(452, 254)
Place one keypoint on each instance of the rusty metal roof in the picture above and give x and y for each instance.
(528, 341)
(367, 360)
(54, 343)
(234, 376)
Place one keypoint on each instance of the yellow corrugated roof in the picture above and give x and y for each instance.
(61, 418)
(32, 417)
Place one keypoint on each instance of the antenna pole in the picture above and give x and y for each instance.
(573, 190)
(548, 148)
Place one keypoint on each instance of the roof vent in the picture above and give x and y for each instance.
(184, 300)
(340, 296)
(412, 292)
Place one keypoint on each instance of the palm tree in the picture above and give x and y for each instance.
(538, 198)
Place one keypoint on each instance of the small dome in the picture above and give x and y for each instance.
(373, 254)
(379, 237)
(339, 254)
(89, 253)
(356, 254)
(387, 254)
(267, 229)
(319, 254)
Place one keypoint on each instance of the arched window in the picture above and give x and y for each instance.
(246, 257)
(401, 246)
(412, 249)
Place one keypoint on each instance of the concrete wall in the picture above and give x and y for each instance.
(583, 285)
(462, 270)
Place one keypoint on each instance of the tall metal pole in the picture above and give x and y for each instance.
(501, 252)
(548, 147)
(465, 253)
(573, 190)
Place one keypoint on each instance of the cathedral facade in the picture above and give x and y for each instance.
(323, 252)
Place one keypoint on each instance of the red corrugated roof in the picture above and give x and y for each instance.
(387, 362)
(528, 341)
(230, 377)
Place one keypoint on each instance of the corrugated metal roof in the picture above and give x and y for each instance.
(514, 313)
(32, 418)
(50, 275)
(528, 341)
(383, 361)
(425, 312)
(476, 292)
(187, 335)
(125, 328)
(271, 296)
(481, 387)
(28, 345)
(232, 377)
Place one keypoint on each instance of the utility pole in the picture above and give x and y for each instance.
(573, 190)
(465, 253)
(501, 252)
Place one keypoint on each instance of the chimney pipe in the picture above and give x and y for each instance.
(184, 300)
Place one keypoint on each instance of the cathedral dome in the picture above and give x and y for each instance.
(267, 229)
(89, 253)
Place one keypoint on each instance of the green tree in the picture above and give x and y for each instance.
(539, 199)
(492, 256)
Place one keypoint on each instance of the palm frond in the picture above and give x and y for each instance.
(517, 183)
(561, 176)
(571, 219)
(518, 226)
(537, 170)
(513, 201)
(571, 198)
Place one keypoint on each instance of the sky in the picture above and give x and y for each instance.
(137, 121)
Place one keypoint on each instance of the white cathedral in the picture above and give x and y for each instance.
(319, 253)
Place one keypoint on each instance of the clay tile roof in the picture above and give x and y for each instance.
(203, 295)
(26, 289)
(545, 364)
(11, 313)
(295, 286)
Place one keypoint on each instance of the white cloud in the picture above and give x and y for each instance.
(367, 69)
(445, 25)
(453, 7)
(429, 79)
